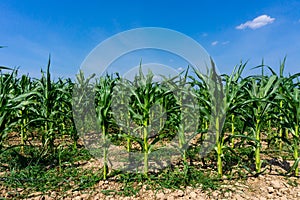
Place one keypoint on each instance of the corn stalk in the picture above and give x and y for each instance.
(261, 93)
(291, 116)
(103, 97)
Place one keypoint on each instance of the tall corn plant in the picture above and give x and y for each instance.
(217, 106)
(145, 112)
(82, 105)
(234, 98)
(187, 111)
(121, 111)
(146, 99)
(47, 99)
(186, 107)
(65, 122)
(103, 97)
(291, 98)
(261, 91)
(286, 86)
(283, 133)
(91, 105)
(49, 111)
(25, 113)
(232, 102)
(204, 103)
(10, 102)
(7, 82)
(145, 94)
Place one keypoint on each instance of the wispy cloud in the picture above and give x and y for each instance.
(226, 42)
(256, 23)
(214, 43)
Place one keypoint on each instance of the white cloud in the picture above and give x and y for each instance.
(258, 22)
(226, 42)
(214, 43)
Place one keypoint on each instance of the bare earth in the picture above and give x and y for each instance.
(267, 186)
(270, 185)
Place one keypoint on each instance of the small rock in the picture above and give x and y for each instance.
(180, 193)
(170, 198)
(193, 195)
(77, 198)
(226, 195)
(168, 191)
(260, 177)
(84, 196)
(215, 194)
(53, 194)
(101, 182)
(268, 178)
(283, 198)
(279, 194)
(160, 196)
(276, 184)
(270, 196)
(237, 197)
(189, 188)
(270, 189)
(284, 190)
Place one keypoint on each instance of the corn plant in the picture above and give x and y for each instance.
(217, 106)
(121, 110)
(291, 98)
(49, 97)
(65, 121)
(145, 93)
(145, 109)
(234, 97)
(47, 101)
(286, 85)
(103, 97)
(82, 104)
(6, 102)
(261, 91)
(185, 110)
(11, 101)
(25, 113)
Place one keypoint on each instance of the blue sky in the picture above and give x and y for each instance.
(230, 31)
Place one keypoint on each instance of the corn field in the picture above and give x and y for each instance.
(261, 120)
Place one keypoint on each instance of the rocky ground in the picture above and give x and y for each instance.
(263, 187)
(269, 185)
